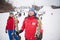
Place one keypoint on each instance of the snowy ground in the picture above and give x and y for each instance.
(51, 25)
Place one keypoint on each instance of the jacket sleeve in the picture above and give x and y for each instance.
(23, 25)
(7, 25)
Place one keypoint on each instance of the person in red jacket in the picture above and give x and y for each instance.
(10, 27)
(29, 24)
(39, 31)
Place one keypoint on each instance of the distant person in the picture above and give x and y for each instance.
(10, 27)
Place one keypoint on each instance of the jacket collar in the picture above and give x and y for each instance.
(31, 17)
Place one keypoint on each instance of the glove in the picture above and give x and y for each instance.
(19, 32)
(5, 31)
(40, 37)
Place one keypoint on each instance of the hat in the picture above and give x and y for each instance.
(32, 9)
(11, 12)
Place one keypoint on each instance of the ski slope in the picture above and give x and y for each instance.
(50, 24)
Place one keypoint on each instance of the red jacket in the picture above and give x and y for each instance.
(29, 24)
(10, 24)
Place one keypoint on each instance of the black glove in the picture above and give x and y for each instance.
(5, 31)
(40, 36)
(19, 32)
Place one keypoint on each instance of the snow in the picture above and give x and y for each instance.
(50, 23)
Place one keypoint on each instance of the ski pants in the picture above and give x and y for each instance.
(10, 35)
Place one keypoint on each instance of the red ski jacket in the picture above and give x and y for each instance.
(30, 24)
(10, 24)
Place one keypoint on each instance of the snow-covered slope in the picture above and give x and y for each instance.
(51, 24)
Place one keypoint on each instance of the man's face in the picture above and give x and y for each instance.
(30, 13)
(11, 15)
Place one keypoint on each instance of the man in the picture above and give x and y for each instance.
(39, 30)
(16, 24)
(29, 24)
(10, 27)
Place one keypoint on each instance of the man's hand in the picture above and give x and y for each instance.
(5, 31)
(17, 33)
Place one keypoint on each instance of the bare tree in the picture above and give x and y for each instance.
(5, 6)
